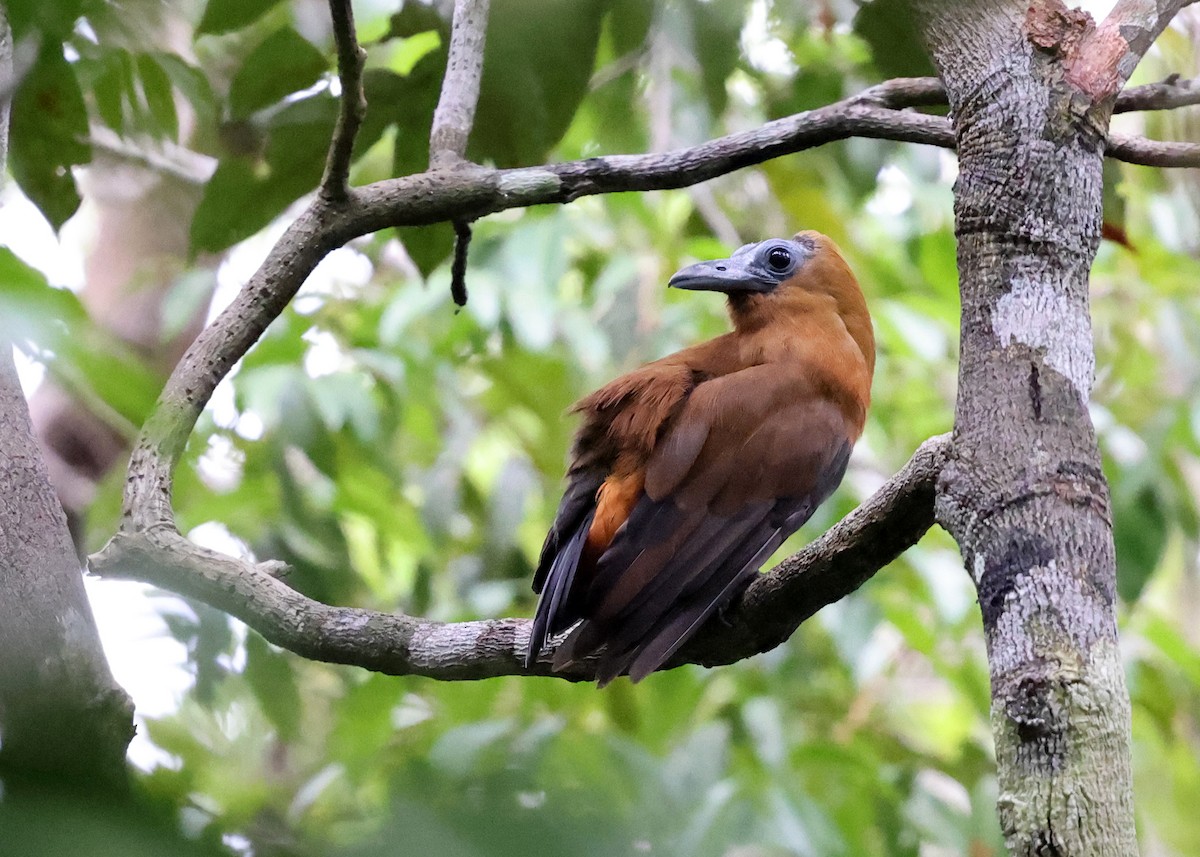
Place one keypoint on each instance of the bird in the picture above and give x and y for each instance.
(688, 473)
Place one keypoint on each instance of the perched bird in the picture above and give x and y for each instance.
(688, 473)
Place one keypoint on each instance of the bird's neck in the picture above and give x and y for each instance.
(775, 324)
(832, 345)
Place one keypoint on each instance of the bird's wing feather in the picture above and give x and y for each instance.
(624, 416)
(559, 559)
(578, 502)
(770, 451)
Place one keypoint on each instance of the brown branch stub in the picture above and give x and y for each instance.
(458, 268)
(335, 183)
(775, 604)
(455, 113)
(1098, 58)
(1055, 28)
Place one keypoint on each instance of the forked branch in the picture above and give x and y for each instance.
(775, 604)
(455, 113)
(149, 548)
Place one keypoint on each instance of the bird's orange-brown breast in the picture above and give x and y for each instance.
(688, 472)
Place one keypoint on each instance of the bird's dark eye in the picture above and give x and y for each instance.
(779, 259)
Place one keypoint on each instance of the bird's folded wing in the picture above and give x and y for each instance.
(742, 465)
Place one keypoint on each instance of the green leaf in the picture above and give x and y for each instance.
(461, 752)
(406, 101)
(428, 246)
(889, 28)
(93, 364)
(221, 16)
(414, 18)
(191, 83)
(49, 136)
(273, 682)
(242, 197)
(160, 100)
(107, 77)
(1140, 533)
(629, 23)
(53, 20)
(717, 28)
(283, 63)
(30, 306)
(232, 208)
(536, 66)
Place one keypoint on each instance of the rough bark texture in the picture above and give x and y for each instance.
(1031, 89)
(62, 716)
(455, 112)
(61, 713)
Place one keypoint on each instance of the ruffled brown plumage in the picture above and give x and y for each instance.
(688, 473)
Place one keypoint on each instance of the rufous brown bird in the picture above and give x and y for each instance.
(687, 474)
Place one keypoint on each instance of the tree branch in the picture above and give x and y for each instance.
(1099, 58)
(455, 113)
(148, 536)
(775, 604)
(1174, 91)
(1153, 153)
(1138, 23)
(471, 192)
(335, 183)
(1169, 94)
(891, 521)
(61, 712)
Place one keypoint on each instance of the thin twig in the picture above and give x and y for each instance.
(161, 156)
(455, 113)
(335, 183)
(904, 92)
(837, 563)
(458, 268)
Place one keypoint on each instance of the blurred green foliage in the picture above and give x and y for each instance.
(402, 454)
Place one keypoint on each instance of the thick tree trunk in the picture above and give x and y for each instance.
(1023, 493)
(61, 714)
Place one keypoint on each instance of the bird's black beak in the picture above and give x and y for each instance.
(721, 275)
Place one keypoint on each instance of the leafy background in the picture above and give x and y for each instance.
(402, 454)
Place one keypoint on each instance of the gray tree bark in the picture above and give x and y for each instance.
(1031, 89)
(61, 713)
(62, 716)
